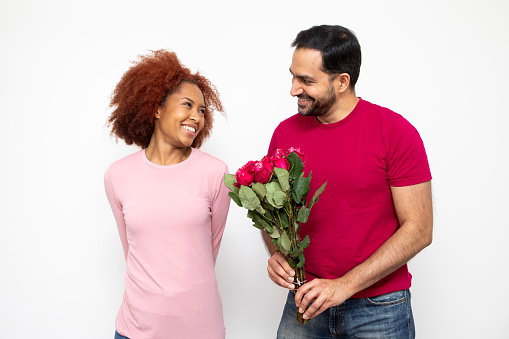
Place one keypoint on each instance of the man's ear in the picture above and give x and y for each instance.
(342, 82)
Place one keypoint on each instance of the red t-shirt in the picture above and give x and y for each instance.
(360, 156)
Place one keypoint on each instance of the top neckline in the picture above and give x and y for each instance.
(341, 122)
(180, 164)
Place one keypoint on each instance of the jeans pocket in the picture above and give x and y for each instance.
(392, 298)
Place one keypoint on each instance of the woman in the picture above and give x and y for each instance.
(168, 200)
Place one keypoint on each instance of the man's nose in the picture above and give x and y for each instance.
(296, 89)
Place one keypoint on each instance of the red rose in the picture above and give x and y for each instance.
(280, 163)
(297, 151)
(263, 170)
(280, 153)
(245, 174)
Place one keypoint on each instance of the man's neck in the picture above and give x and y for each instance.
(345, 103)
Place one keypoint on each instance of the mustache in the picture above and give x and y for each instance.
(304, 96)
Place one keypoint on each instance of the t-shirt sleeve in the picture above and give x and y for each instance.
(407, 160)
(117, 210)
(219, 209)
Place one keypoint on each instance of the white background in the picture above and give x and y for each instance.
(442, 64)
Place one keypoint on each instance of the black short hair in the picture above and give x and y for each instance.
(341, 52)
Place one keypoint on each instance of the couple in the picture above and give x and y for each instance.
(170, 204)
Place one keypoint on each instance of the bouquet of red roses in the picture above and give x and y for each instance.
(274, 190)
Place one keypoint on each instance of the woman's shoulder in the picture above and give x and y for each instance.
(125, 163)
(210, 161)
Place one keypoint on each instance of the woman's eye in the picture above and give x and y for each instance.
(202, 111)
(188, 104)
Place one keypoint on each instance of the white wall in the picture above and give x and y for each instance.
(442, 64)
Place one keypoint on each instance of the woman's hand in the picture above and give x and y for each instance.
(280, 271)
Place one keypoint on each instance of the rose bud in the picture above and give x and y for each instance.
(280, 153)
(280, 163)
(297, 151)
(245, 174)
(263, 170)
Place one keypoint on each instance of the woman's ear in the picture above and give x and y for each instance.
(157, 115)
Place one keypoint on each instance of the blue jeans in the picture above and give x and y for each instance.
(388, 316)
(119, 336)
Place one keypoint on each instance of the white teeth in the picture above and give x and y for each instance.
(189, 128)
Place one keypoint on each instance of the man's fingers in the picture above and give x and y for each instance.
(278, 278)
(317, 307)
(277, 272)
(283, 263)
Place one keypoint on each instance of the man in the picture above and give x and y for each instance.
(374, 215)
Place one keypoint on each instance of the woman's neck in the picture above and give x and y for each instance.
(164, 154)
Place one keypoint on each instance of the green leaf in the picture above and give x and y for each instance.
(260, 220)
(301, 188)
(279, 199)
(272, 187)
(296, 251)
(283, 178)
(285, 241)
(317, 194)
(303, 214)
(248, 198)
(284, 219)
(291, 262)
(304, 243)
(268, 229)
(280, 247)
(302, 260)
(296, 165)
(258, 226)
(274, 234)
(275, 242)
(251, 215)
(229, 180)
(259, 189)
(260, 209)
(235, 198)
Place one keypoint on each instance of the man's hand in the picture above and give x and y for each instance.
(280, 271)
(414, 209)
(324, 293)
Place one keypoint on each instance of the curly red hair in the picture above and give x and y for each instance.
(145, 87)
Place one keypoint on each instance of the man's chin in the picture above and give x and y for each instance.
(303, 111)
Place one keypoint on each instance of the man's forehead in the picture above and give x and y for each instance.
(306, 62)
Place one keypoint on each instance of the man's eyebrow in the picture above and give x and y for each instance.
(303, 77)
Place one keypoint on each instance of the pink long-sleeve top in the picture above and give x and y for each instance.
(170, 220)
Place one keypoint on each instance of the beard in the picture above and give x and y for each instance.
(319, 106)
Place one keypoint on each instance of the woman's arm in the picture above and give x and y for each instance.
(117, 210)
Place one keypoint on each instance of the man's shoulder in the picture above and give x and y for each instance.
(292, 121)
(378, 110)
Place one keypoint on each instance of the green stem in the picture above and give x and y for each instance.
(300, 276)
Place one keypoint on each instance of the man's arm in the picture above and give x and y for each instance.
(415, 213)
